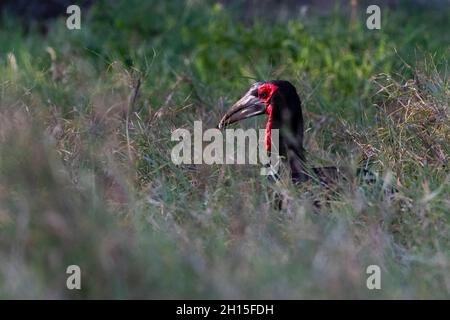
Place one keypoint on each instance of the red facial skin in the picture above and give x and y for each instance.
(265, 93)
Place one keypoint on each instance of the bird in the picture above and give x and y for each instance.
(279, 100)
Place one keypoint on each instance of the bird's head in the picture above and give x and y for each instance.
(280, 101)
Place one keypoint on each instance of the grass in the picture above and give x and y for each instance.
(86, 178)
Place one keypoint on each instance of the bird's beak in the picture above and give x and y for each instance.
(248, 106)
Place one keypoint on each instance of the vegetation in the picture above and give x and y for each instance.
(85, 173)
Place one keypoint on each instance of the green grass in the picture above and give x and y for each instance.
(85, 180)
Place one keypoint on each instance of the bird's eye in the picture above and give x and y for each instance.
(263, 94)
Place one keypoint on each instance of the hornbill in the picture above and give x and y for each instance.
(280, 101)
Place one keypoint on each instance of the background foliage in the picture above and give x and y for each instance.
(86, 177)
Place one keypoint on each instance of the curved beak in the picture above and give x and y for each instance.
(248, 106)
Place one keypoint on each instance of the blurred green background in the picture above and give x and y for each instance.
(86, 178)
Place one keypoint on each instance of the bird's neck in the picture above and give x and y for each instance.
(290, 126)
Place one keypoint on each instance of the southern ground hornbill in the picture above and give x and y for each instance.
(280, 101)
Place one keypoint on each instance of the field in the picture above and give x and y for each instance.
(86, 176)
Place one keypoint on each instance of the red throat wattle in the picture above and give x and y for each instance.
(269, 128)
(265, 93)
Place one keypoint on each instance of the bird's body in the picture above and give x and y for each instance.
(280, 101)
